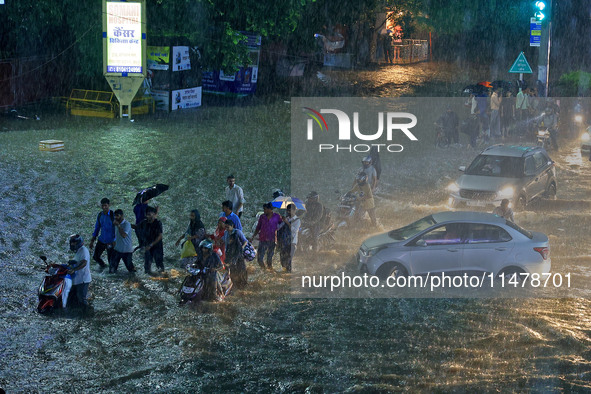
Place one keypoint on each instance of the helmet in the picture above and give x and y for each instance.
(313, 196)
(361, 177)
(76, 242)
(366, 159)
(278, 193)
(206, 244)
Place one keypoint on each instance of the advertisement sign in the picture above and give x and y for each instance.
(186, 98)
(161, 99)
(124, 37)
(243, 82)
(158, 58)
(181, 59)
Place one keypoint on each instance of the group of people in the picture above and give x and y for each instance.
(501, 114)
(223, 248)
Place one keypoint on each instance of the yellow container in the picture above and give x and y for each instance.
(51, 145)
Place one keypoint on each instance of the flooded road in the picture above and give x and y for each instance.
(261, 339)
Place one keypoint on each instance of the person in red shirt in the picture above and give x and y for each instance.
(218, 238)
(267, 230)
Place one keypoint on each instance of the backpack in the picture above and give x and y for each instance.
(249, 252)
(110, 214)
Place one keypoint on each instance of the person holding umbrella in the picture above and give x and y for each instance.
(140, 204)
(150, 230)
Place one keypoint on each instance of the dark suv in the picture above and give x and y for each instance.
(518, 173)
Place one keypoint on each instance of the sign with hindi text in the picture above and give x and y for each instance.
(124, 37)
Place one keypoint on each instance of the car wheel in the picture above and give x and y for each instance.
(521, 203)
(391, 270)
(551, 191)
(510, 272)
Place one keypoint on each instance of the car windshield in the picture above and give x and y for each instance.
(499, 166)
(406, 232)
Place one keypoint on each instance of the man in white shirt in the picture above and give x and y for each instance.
(123, 246)
(504, 211)
(235, 194)
(82, 279)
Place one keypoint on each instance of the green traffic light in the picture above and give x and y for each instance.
(539, 15)
(540, 5)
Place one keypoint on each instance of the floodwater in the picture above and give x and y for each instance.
(137, 339)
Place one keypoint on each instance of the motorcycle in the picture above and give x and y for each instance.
(349, 210)
(195, 287)
(543, 136)
(52, 287)
(324, 239)
(441, 140)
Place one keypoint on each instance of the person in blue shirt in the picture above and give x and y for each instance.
(229, 214)
(106, 239)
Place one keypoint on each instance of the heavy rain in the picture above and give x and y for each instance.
(270, 336)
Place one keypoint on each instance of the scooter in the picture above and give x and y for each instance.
(52, 287)
(543, 136)
(195, 289)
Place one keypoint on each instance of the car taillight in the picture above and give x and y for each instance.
(545, 252)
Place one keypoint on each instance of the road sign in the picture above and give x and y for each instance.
(535, 32)
(520, 65)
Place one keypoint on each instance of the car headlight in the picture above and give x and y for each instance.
(585, 137)
(453, 187)
(374, 251)
(506, 192)
(579, 118)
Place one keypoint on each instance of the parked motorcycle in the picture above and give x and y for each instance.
(52, 287)
(195, 286)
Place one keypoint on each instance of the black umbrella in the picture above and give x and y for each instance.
(149, 192)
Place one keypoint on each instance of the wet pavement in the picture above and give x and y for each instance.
(137, 338)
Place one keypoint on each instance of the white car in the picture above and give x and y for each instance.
(456, 243)
(586, 143)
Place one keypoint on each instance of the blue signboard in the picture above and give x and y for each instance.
(244, 81)
(535, 32)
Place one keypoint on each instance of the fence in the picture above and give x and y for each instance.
(407, 51)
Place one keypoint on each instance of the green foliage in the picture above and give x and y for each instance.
(575, 83)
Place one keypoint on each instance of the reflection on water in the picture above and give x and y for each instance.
(260, 339)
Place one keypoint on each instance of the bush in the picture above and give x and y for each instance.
(575, 83)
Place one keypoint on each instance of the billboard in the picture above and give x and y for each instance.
(186, 98)
(158, 58)
(181, 58)
(124, 37)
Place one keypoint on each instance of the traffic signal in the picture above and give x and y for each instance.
(540, 9)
